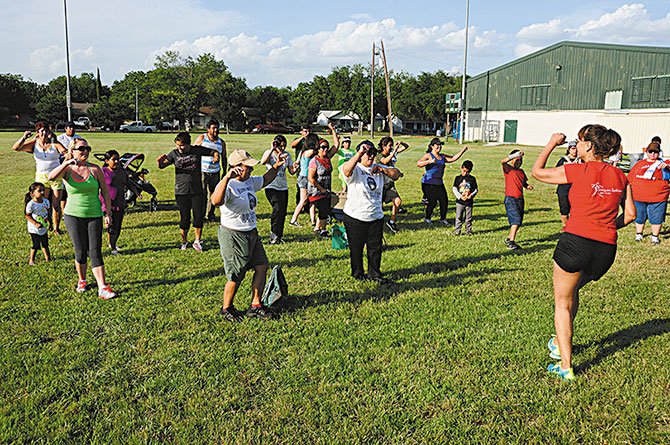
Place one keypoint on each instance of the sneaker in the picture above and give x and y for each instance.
(106, 293)
(115, 252)
(231, 314)
(424, 201)
(554, 352)
(511, 245)
(565, 374)
(294, 224)
(457, 232)
(444, 222)
(655, 240)
(183, 246)
(197, 245)
(260, 312)
(392, 227)
(638, 237)
(82, 286)
(427, 221)
(274, 239)
(402, 210)
(324, 234)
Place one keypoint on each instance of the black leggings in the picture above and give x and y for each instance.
(279, 202)
(435, 194)
(86, 236)
(115, 229)
(209, 183)
(186, 204)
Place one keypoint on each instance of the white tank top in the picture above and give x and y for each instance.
(207, 165)
(45, 160)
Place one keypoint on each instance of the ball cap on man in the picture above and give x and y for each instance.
(238, 157)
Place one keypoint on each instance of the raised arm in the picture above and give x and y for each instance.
(391, 172)
(163, 161)
(271, 174)
(61, 170)
(336, 140)
(455, 157)
(349, 166)
(266, 156)
(23, 144)
(506, 159)
(401, 146)
(199, 139)
(553, 175)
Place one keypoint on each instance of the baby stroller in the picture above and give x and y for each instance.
(132, 164)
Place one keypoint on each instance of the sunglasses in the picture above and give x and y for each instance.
(653, 151)
(82, 148)
(325, 147)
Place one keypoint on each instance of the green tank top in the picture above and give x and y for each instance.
(82, 197)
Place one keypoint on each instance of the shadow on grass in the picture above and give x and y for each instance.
(623, 339)
(161, 281)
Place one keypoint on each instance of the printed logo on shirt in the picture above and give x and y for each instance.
(189, 163)
(602, 192)
(252, 201)
(372, 184)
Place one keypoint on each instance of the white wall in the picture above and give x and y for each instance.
(636, 127)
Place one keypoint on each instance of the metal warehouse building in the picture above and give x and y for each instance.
(567, 85)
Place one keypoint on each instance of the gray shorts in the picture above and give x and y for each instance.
(241, 251)
(390, 194)
(302, 182)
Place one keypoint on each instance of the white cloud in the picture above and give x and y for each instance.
(629, 24)
(50, 60)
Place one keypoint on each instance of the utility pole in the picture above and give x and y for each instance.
(68, 96)
(137, 104)
(388, 91)
(372, 94)
(465, 68)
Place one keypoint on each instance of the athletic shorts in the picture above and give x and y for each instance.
(241, 251)
(564, 205)
(322, 206)
(302, 182)
(389, 195)
(577, 254)
(514, 209)
(39, 241)
(56, 184)
(652, 211)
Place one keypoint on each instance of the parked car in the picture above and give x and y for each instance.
(165, 126)
(137, 127)
(81, 123)
(273, 127)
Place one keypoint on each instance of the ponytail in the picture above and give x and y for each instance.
(31, 189)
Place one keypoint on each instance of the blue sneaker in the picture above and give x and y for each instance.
(554, 352)
(566, 374)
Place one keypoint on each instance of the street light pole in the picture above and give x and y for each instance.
(68, 96)
(137, 103)
(465, 68)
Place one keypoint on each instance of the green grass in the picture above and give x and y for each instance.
(454, 353)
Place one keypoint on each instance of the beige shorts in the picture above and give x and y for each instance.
(56, 184)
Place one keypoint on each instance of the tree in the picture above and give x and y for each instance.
(271, 101)
(16, 97)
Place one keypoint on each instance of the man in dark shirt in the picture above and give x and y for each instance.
(187, 185)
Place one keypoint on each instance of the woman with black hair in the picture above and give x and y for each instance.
(277, 190)
(363, 214)
(432, 182)
(587, 246)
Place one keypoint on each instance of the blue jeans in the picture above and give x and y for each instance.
(653, 211)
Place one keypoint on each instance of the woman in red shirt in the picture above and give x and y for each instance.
(587, 246)
(650, 192)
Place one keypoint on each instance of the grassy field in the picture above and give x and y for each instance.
(453, 353)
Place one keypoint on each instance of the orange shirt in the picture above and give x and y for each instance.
(596, 193)
(648, 190)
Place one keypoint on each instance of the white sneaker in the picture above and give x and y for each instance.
(115, 252)
(197, 246)
(655, 240)
(638, 237)
(444, 222)
(106, 293)
(427, 221)
(184, 246)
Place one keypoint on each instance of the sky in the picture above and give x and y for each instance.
(284, 43)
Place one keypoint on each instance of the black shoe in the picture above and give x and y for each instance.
(383, 281)
(324, 234)
(231, 314)
(260, 312)
(212, 218)
(361, 277)
(511, 245)
(402, 210)
(392, 227)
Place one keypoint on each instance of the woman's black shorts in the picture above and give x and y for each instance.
(564, 205)
(577, 254)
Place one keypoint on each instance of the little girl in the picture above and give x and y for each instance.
(37, 214)
(117, 182)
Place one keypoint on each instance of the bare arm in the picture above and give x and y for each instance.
(348, 167)
(23, 144)
(271, 174)
(629, 211)
(455, 157)
(61, 170)
(401, 146)
(199, 139)
(552, 175)
(425, 160)
(506, 159)
(218, 197)
(391, 172)
(297, 141)
(266, 156)
(336, 141)
(163, 161)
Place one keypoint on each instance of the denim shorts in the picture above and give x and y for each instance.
(302, 182)
(653, 211)
(514, 209)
